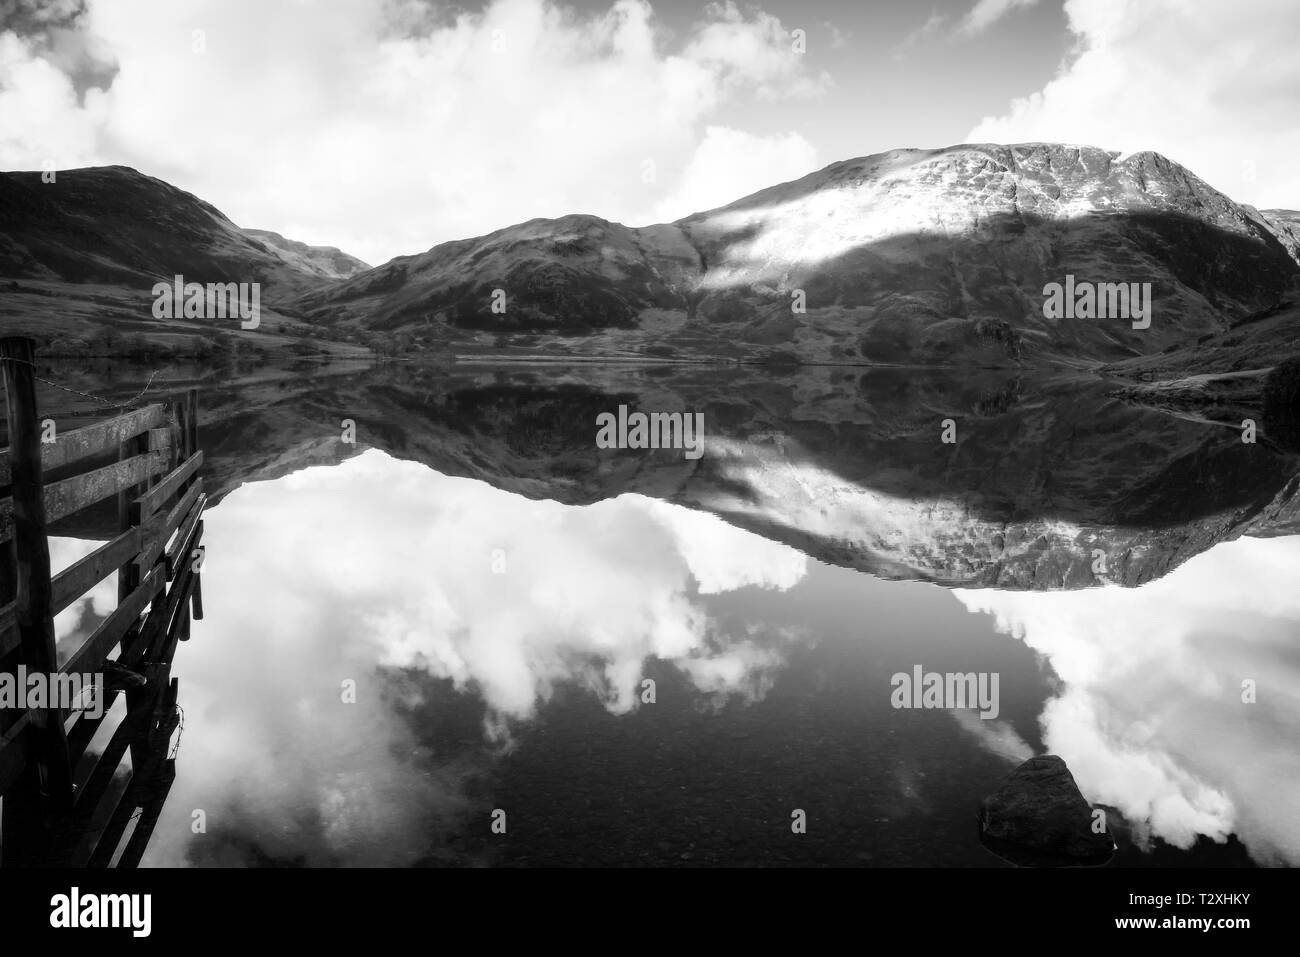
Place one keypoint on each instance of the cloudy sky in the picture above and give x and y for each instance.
(387, 126)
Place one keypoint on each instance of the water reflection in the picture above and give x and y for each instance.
(1150, 713)
(499, 645)
(73, 625)
(845, 465)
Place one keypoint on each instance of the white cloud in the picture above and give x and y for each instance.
(931, 25)
(722, 558)
(43, 124)
(839, 38)
(386, 127)
(1212, 86)
(752, 49)
(732, 163)
(996, 737)
(985, 13)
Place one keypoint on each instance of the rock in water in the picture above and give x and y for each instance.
(1038, 818)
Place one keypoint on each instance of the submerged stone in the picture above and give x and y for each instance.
(1039, 818)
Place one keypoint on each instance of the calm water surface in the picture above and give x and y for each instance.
(392, 652)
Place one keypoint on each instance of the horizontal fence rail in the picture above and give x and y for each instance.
(62, 802)
(102, 438)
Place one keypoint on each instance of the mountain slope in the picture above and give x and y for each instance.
(117, 226)
(578, 273)
(328, 262)
(906, 256)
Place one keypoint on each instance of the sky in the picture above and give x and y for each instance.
(385, 127)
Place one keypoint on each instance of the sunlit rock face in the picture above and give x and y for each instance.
(908, 256)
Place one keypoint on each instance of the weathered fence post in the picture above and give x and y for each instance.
(44, 790)
(46, 822)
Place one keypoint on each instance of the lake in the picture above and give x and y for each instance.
(444, 628)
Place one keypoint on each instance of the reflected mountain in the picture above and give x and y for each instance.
(1050, 483)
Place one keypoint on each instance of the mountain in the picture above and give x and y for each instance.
(114, 225)
(82, 254)
(328, 262)
(908, 256)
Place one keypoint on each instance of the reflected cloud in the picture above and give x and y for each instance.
(996, 737)
(376, 568)
(1151, 717)
(75, 623)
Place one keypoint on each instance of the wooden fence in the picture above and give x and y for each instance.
(64, 802)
